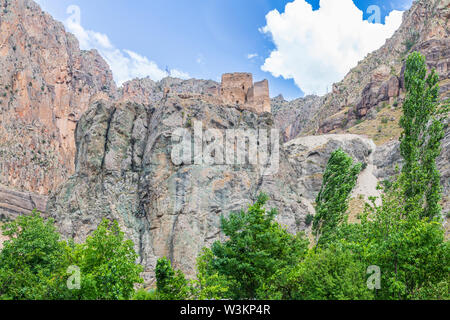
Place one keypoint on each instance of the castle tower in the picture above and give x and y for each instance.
(235, 87)
(238, 89)
(258, 96)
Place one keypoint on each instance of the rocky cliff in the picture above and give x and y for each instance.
(109, 153)
(46, 82)
(125, 171)
(377, 80)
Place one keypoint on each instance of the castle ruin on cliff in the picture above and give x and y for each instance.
(239, 89)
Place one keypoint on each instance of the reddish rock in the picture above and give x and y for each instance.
(45, 86)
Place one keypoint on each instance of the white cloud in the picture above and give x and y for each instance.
(179, 74)
(317, 48)
(125, 64)
(252, 55)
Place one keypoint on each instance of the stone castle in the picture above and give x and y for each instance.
(238, 89)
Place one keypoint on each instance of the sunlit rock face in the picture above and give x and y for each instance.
(125, 171)
(46, 83)
(100, 152)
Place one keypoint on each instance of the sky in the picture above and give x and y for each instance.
(301, 46)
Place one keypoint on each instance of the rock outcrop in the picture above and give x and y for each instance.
(46, 83)
(292, 116)
(125, 171)
(377, 80)
(14, 203)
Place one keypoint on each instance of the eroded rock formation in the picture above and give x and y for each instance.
(45, 86)
(125, 171)
(46, 83)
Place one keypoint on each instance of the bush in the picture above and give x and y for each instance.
(309, 219)
(171, 284)
(256, 248)
(32, 260)
(143, 294)
(325, 274)
(35, 262)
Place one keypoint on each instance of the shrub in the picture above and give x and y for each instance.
(309, 219)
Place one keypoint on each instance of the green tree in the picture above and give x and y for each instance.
(420, 142)
(143, 294)
(409, 250)
(339, 179)
(107, 262)
(209, 283)
(171, 284)
(331, 273)
(33, 260)
(256, 248)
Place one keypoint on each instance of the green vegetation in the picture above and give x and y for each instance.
(37, 264)
(396, 249)
(309, 219)
(257, 247)
(339, 179)
(411, 41)
(420, 143)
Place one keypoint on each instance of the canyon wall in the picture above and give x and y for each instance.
(46, 83)
(96, 151)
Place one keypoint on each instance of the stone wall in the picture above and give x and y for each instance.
(238, 89)
(258, 95)
(235, 87)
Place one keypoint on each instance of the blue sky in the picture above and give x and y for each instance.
(205, 38)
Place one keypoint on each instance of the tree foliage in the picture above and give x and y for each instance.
(256, 248)
(35, 261)
(420, 142)
(32, 260)
(339, 179)
(330, 273)
(107, 262)
(171, 284)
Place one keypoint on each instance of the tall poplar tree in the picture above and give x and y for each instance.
(420, 142)
(339, 179)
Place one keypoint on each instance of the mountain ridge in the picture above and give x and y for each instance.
(98, 151)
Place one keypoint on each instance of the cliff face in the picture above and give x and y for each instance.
(125, 171)
(378, 79)
(46, 83)
(107, 152)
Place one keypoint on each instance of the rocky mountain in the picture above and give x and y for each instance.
(377, 80)
(368, 100)
(46, 83)
(98, 151)
(125, 171)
